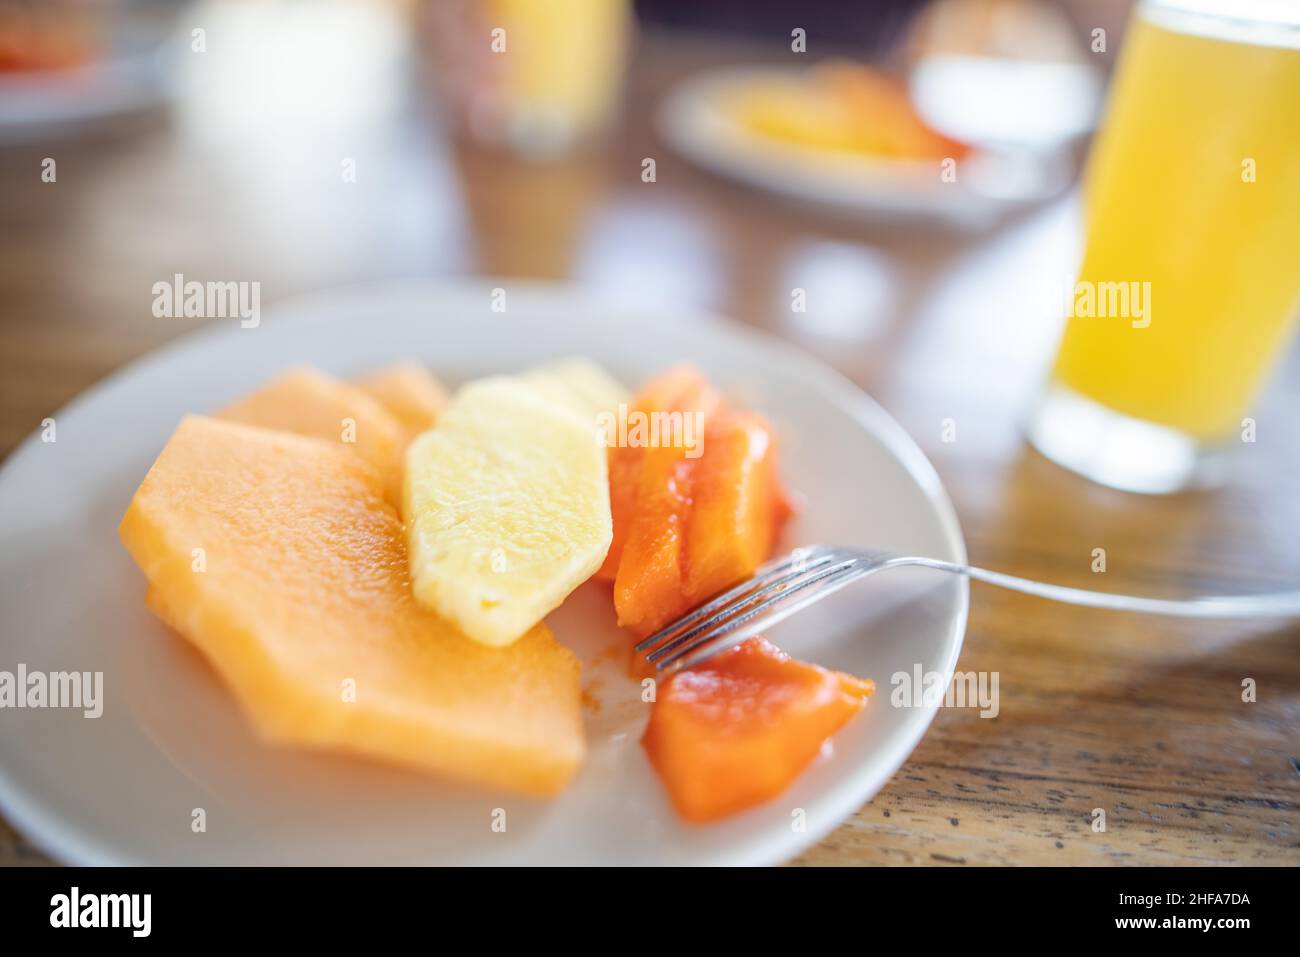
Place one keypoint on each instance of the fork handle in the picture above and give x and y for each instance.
(1271, 605)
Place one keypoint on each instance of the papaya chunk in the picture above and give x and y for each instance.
(689, 523)
(737, 506)
(735, 730)
(680, 390)
(650, 587)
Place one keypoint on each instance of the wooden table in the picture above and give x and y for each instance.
(1142, 718)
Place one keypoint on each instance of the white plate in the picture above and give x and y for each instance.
(989, 184)
(122, 788)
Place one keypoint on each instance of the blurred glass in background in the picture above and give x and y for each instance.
(537, 77)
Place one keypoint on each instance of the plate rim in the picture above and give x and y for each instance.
(54, 836)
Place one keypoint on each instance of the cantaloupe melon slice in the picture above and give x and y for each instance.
(409, 392)
(303, 603)
(507, 508)
(308, 402)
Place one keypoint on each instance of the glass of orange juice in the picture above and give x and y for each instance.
(536, 76)
(1190, 281)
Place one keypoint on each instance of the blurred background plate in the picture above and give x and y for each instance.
(119, 69)
(999, 176)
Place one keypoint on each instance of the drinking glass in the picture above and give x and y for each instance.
(1190, 280)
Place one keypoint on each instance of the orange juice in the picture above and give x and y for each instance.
(562, 67)
(1192, 213)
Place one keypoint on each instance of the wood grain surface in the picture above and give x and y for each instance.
(1141, 718)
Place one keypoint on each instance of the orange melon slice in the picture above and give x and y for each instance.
(735, 730)
(304, 608)
(409, 392)
(311, 403)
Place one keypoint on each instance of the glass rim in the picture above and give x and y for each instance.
(1271, 23)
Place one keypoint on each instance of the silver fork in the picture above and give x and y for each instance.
(786, 585)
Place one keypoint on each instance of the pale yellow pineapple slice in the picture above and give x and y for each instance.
(507, 508)
(581, 385)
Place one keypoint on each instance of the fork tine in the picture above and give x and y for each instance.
(774, 574)
(780, 585)
(811, 557)
(764, 615)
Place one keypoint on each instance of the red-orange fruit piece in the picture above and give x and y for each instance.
(734, 731)
(737, 506)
